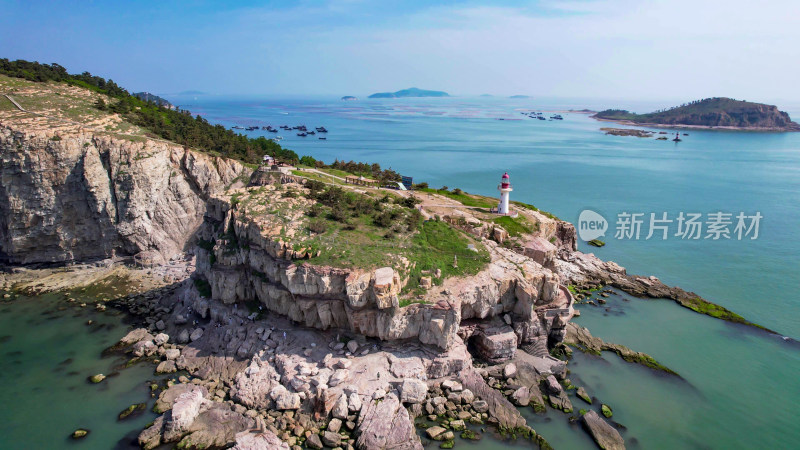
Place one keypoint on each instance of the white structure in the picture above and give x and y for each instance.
(504, 188)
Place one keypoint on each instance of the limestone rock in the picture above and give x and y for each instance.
(161, 339)
(261, 440)
(331, 439)
(386, 287)
(386, 424)
(340, 409)
(521, 397)
(604, 434)
(413, 391)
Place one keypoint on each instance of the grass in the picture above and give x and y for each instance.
(516, 225)
(533, 208)
(476, 201)
(435, 247)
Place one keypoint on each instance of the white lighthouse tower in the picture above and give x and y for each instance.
(504, 188)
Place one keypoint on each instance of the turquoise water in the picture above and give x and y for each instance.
(740, 385)
(48, 351)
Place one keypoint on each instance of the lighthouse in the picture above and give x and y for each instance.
(504, 188)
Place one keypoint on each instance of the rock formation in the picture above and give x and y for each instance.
(89, 196)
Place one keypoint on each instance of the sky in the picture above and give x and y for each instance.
(658, 49)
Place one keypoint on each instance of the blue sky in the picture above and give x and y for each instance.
(658, 49)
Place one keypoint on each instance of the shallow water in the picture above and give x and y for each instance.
(47, 356)
(740, 384)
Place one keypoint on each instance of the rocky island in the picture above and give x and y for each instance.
(716, 112)
(297, 310)
(410, 92)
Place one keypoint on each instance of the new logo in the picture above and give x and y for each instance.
(591, 225)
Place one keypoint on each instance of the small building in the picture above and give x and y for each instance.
(361, 181)
(268, 160)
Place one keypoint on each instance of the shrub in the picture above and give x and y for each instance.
(318, 226)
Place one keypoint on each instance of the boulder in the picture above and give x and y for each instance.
(167, 366)
(314, 441)
(521, 397)
(413, 391)
(259, 440)
(168, 397)
(331, 439)
(338, 377)
(287, 400)
(510, 370)
(584, 395)
(185, 410)
(604, 434)
(196, 334)
(161, 339)
(134, 336)
(386, 425)
(496, 344)
(340, 409)
(352, 346)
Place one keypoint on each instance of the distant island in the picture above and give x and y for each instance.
(349, 98)
(520, 96)
(410, 92)
(148, 97)
(716, 112)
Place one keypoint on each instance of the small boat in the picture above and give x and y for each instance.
(540, 117)
(322, 138)
(237, 127)
(302, 134)
(322, 130)
(312, 132)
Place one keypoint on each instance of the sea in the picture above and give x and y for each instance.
(738, 386)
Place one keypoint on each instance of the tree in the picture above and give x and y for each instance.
(100, 104)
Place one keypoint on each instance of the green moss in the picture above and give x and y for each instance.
(596, 243)
(447, 444)
(132, 410)
(606, 410)
(701, 306)
(471, 435)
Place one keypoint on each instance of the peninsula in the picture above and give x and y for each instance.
(716, 112)
(300, 303)
(410, 92)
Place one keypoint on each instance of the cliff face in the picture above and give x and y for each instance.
(77, 196)
(502, 306)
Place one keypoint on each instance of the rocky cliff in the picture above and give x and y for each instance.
(78, 195)
(244, 260)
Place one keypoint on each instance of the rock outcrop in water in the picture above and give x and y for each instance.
(76, 196)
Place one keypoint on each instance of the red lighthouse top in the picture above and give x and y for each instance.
(504, 184)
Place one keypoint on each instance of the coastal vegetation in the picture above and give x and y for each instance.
(476, 201)
(710, 112)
